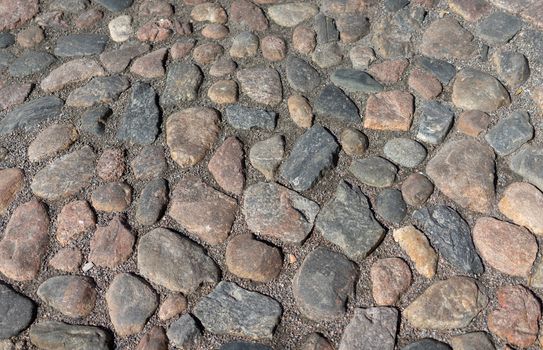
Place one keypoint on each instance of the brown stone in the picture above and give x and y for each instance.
(157, 30)
(181, 48)
(202, 210)
(150, 65)
(445, 38)
(112, 197)
(15, 13)
(300, 111)
(390, 110)
(361, 57)
(210, 12)
(416, 246)
(516, 318)
(30, 37)
(537, 96)
(51, 141)
(155, 8)
(251, 259)
(226, 166)
(72, 296)
(207, 53)
(334, 8)
(263, 85)
(315, 341)
(416, 189)
(223, 92)
(352, 27)
(248, 15)
(88, 18)
(75, 71)
(390, 279)
(190, 133)
(13, 94)
(111, 245)
(67, 260)
(522, 203)
(463, 170)
(155, 339)
(389, 72)
(24, 242)
(473, 123)
(476, 90)
(223, 66)
(174, 305)
(424, 84)
(273, 48)
(470, 10)
(215, 31)
(533, 13)
(11, 183)
(110, 165)
(304, 39)
(354, 142)
(74, 219)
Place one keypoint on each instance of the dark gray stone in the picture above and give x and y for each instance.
(140, 120)
(427, 344)
(182, 84)
(94, 120)
(405, 152)
(71, 6)
(393, 34)
(53, 335)
(347, 221)
(241, 345)
(16, 312)
(184, 332)
(435, 122)
(115, 5)
(31, 114)
(326, 30)
(301, 75)
(6, 58)
(532, 39)
(395, 5)
(245, 118)
(152, 202)
(510, 133)
(355, 81)
(390, 205)
(498, 28)
(31, 62)
(528, 163)
(81, 45)
(98, 90)
(6, 40)
(373, 328)
(232, 310)
(374, 171)
(443, 71)
(333, 103)
(313, 153)
(450, 234)
(512, 67)
(472, 341)
(149, 163)
(323, 283)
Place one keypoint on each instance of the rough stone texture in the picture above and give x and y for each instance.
(390, 278)
(140, 120)
(510, 133)
(75, 71)
(172, 306)
(116, 61)
(498, 28)
(388, 72)
(470, 10)
(226, 166)
(31, 62)
(315, 341)
(405, 152)
(246, 118)
(416, 189)
(427, 344)
(110, 165)
(353, 80)
(435, 122)
(371, 328)
(16, 312)
(247, 14)
(51, 141)
(27, 116)
(113, 197)
(232, 310)
(14, 14)
(334, 104)
(475, 90)
(183, 81)
(66, 260)
(301, 75)
(354, 142)
(266, 155)
(472, 341)
(473, 123)
(424, 84)
(323, 283)
(445, 39)
(374, 171)
(73, 296)
(111, 245)
(13, 94)
(152, 202)
(104, 90)
(291, 14)
(155, 339)
(184, 333)
(74, 219)
(80, 45)
(149, 163)
(522, 203)
(150, 66)
(248, 258)
(262, 85)
(53, 335)
(512, 67)
(416, 246)
(447, 304)
(390, 206)
(390, 110)
(11, 183)
(527, 163)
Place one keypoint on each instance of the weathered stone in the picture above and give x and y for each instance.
(416, 246)
(152, 202)
(424, 84)
(66, 260)
(335, 104)
(74, 219)
(473, 123)
(372, 328)
(248, 258)
(215, 31)
(112, 197)
(120, 28)
(241, 345)
(244, 45)
(207, 53)
(512, 67)
(73, 296)
(498, 28)
(172, 306)
(232, 310)
(291, 14)
(427, 344)
(472, 341)
(522, 203)
(443, 70)
(361, 57)
(510, 133)
(30, 37)
(111, 245)
(352, 27)
(416, 189)
(151, 65)
(394, 34)
(140, 120)
(11, 183)
(262, 85)
(445, 39)
(13, 94)
(94, 120)
(116, 61)
(390, 110)
(527, 163)
(6, 39)
(390, 278)
(31, 62)
(75, 71)
(475, 90)
(327, 55)
(202, 210)
(155, 339)
(390, 205)
(226, 166)
(51, 141)
(156, 8)
(300, 111)
(326, 30)
(210, 12)
(174, 262)
(405, 152)
(99, 90)
(315, 341)
(149, 163)
(15, 13)
(470, 10)
(110, 165)
(88, 18)
(389, 72)
(451, 236)
(301, 75)
(80, 45)
(247, 14)
(273, 48)
(183, 333)
(115, 5)
(245, 118)
(265, 156)
(53, 335)
(374, 171)
(355, 81)
(354, 142)
(182, 84)
(223, 92)
(436, 121)
(303, 39)
(323, 283)
(16, 312)
(28, 116)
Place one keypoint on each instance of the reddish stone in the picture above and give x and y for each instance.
(416, 189)
(88, 18)
(226, 166)
(273, 48)
(473, 123)
(390, 110)
(15, 13)
(304, 39)
(215, 31)
(72, 296)
(150, 65)
(155, 8)
(161, 29)
(75, 71)
(51, 141)
(110, 165)
(247, 14)
(471, 10)
(111, 245)
(389, 72)
(424, 84)
(11, 183)
(155, 339)
(14, 94)
(181, 48)
(67, 260)
(207, 53)
(522, 203)
(112, 197)
(210, 12)
(74, 219)
(223, 92)
(175, 304)
(390, 279)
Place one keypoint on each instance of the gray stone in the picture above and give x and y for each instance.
(241, 345)
(315, 152)
(81, 45)
(175, 262)
(149, 163)
(301, 75)
(65, 176)
(31, 114)
(354, 80)
(94, 120)
(394, 33)
(323, 283)
(395, 5)
(444, 71)
(140, 120)
(347, 221)
(472, 341)
(71, 6)
(184, 333)
(182, 84)
(435, 123)
(6, 40)
(405, 152)
(245, 118)
(510, 133)
(390, 205)
(116, 61)
(427, 344)
(333, 103)
(291, 14)
(371, 329)
(528, 163)
(244, 45)
(512, 67)
(53, 335)
(374, 171)
(99, 90)
(266, 155)
(72, 296)
(31, 62)
(16, 312)
(152, 202)
(534, 39)
(352, 27)
(6, 58)
(445, 38)
(326, 30)
(327, 55)
(498, 28)
(115, 5)
(451, 235)
(234, 311)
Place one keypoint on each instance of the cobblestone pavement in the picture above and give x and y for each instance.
(265, 174)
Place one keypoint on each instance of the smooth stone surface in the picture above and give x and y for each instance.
(512, 67)
(11, 183)
(74, 219)
(476, 90)
(246, 118)
(335, 104)
(73, 296)
(16, 312)
(111, 245)
(443, 70)
(53, 335)
(51, 141)
(416, 246)
(510, 133)
(80, 45)
(374, 171)
(149, 163)
(301, 75)
(498, 28)
(291, 14)
(266, 155)
(155, 339)
(75, 71)
(28, 116)
(528, 163)
(445, 38)
(372, 329)
(31, 62)
(522, 203)
(405, 152)
(390, 279)
(226, 166)
(152, 202)
(355, 81)
(427, 344)
(472, 341)
(115, 5)
(390, 205)
(105, 90)
(112, 197)
(436, 121)
(416, 189)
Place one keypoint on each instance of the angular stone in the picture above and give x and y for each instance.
(183, 333)
(390, 205)
(443, 70)
(451, 236)
(130, 303)
(66, 260)
(291, 14)
(226, 166)
(300, 111)
(416, 189)
(75, 71)
(172, 306)
(347, 221)
(436, 121)
(335, 104)
(390, 278)
(111, 245)
(389, 72)
(372, 328)
(516, 318)
(464, 171)
(28, 116)
(247, 14)
(323, 283)
(326, 30)
(416, 246)
(94, 120)
(115, 5)
(512, 67)
(446, 39)
(447, 304)
(475, 90)
(275, 211)
(353, 80)
(522, 203)
(202, 210)
(301, 75)
(506, 247)
(116, 61)
(510, 133)
(51, 141)
(354, 142)
(470, 10)
(374, 171)
(473, 123)
(150, 66)
(361, 57)
(394, 34)
(72, 296)
(223, 92)
(424, 84)
(265, 156)
(31, 62)
(390, 110)
(15, 13)
(6, 40)
(74, 219)
(14, 94)
(427, 344)
(155, 339)
(245, 118)
(104, 90)
(152, 202)
(149, 163)
(11, 183)
(242, 312)
(174, 262)
(498, 28)
(80, 45)
(190, 133)
(262, 85)
(527, 163)
(241, 345)
(140, 120)
(16, 312)
(327, 55)
(207, 53)
(182, 84)
(88, 18)
(352, 27)
(112, 197)
(53, 335)
(405, 152)
(110, 165)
